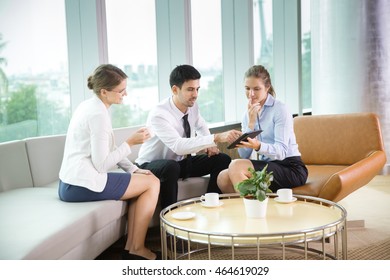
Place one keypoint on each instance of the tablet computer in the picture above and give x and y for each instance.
(243, 137)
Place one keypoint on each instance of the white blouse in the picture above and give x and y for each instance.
(90, 150)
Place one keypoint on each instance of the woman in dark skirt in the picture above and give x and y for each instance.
(275, 146)
(90, 153)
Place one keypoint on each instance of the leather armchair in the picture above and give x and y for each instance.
(342, 152)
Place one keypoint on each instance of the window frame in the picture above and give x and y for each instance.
(87, 45)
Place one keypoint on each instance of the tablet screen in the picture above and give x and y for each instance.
(243, 137)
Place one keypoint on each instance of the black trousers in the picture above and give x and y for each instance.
(288, 173)
(170, 171)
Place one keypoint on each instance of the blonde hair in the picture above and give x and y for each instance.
(259, 71)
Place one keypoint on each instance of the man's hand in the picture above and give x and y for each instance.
(212, 151)
(227, 136)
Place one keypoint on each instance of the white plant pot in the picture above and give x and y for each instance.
(255, 208)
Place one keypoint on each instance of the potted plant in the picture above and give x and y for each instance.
(254, 191)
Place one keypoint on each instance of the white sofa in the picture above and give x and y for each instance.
(36, 224)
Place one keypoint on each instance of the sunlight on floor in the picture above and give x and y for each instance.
(370, 203)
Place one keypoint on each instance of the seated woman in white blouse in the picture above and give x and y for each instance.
(90, 153)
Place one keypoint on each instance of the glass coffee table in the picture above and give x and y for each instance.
(287, 226)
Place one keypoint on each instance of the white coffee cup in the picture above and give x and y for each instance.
(210, 199)
(285, 194)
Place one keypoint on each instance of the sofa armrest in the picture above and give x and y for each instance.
(353, 177)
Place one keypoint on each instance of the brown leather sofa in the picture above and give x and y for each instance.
(342, 152)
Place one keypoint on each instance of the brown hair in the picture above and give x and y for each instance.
(259, 71)
(105, 76)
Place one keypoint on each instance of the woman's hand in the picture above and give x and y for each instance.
(139, 137)
(143, 171)
(253, 110)
(252, 143)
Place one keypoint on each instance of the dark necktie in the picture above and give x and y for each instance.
(187, 131)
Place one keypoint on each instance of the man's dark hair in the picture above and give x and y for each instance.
(183, 73)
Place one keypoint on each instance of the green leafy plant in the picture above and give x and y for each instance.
(257, 186)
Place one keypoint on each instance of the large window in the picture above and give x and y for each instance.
(262, 28)
(207, 57)
(34, 84)
(131, 36)
(34, 79)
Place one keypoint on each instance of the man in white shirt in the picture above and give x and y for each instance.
(170, 154)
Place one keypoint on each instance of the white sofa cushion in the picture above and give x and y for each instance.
(14, 166)
(35, 224)
(45, 157)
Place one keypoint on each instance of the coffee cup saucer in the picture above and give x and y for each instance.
(211, 206)
(183, 215)
(277, 199)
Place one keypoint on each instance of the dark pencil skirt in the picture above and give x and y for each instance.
(288, 173)
(116, 186)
